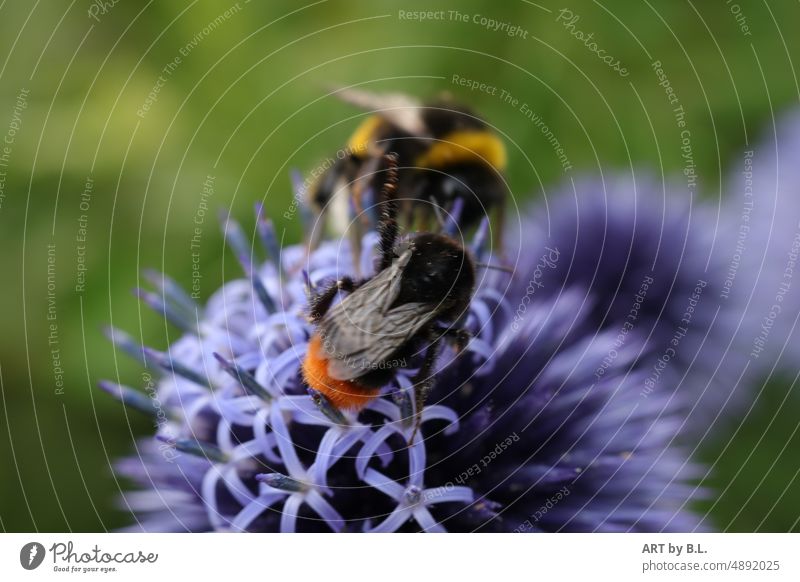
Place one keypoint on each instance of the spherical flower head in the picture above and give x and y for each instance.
(531, 427)
(761, 248)
(650, 257)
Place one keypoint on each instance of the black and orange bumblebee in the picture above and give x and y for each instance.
(395, 319)
(445, 153)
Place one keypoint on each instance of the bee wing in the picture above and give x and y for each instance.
(397, 108)
(364, 329)
(360, 350)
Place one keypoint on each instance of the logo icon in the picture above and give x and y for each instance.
(31, 555)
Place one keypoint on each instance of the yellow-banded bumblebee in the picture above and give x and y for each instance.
(445, 153)
(392, 320)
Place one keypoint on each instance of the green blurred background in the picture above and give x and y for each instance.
(248, 101)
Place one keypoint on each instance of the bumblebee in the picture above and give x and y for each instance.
(445, 153)
(392, 320)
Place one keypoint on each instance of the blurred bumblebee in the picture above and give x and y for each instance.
(445, 153)
(396, 319)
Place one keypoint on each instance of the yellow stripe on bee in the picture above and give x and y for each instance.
(465, 146)
(360, 141)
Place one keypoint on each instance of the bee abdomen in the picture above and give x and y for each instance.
(344, 395)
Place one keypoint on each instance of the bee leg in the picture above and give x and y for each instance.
(312, 241)
(423, 382)
(387, 226)
(320, 303)
(355, 233)
(361, 183)
(458, 335)
(364, 181)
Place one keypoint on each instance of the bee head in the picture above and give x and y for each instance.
(439, 271)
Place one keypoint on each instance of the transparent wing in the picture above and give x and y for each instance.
(397, 108)
(363, 330)
(363, 350)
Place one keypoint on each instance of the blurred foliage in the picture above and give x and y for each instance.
(250, 101)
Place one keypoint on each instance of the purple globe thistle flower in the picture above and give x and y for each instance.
(762, 248)
(650, 258)
(520, 432)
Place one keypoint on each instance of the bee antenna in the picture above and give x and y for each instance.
(495, 267)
